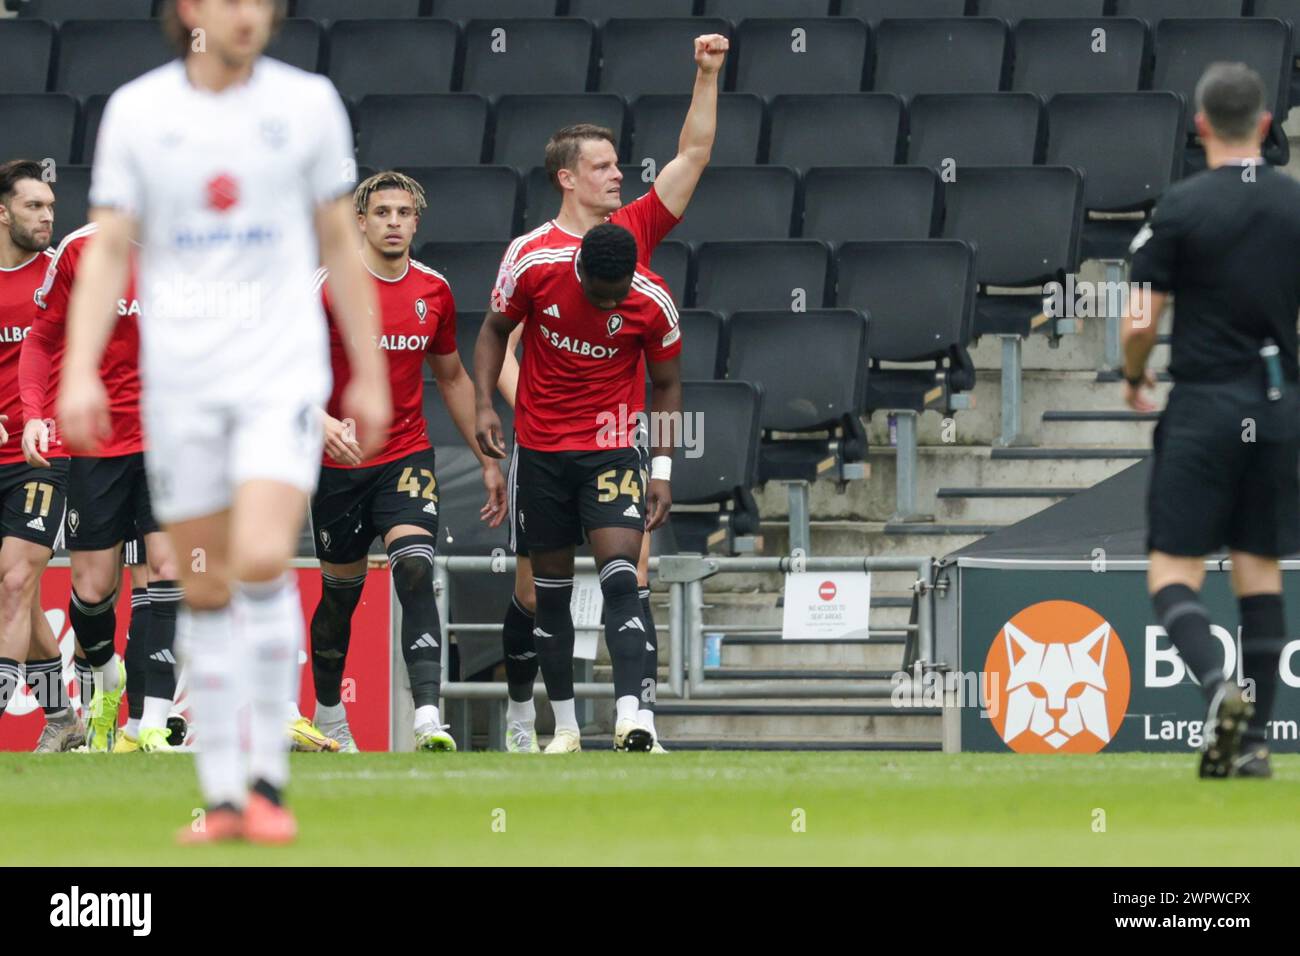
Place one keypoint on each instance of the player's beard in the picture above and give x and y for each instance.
(26, 240)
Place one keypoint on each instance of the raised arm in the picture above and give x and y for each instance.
(676, 182)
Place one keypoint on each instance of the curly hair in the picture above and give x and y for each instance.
(389, 179)
(609, 253)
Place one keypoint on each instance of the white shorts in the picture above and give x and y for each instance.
(199, 453)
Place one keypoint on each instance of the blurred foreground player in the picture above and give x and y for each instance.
(394, 493)
(590, 314)
(1225, 244)
(582, 163)
(31, 500)
(235, 173)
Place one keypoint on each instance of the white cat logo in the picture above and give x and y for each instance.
(1058, 680)
(1057, 690)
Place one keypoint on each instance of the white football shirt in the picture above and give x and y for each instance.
(224, 187)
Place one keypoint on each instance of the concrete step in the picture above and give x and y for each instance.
(829, 721)
(1042, 390)
(1122, 428)
(939, 466)
(994, 505)
(876, 654)
(848, 538)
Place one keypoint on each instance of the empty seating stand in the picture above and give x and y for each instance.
(1079, 56)
(419, 56)
(806, 55)
(470, 267)
(1024, 223)
(1184, 48)
(921, 298)
(777, 274)
(835, 129)
(1129, 147)
(900, 202)
(26, 49)
(524, 122)
(729, 416)
(98, 56)
(965, 55)
(467, 202)
(952, 130)
(528, 56)
(828, 404)
(57, 11)
(38, 126)
(434, 129)
(657, 120)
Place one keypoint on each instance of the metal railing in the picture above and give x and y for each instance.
(685, 576)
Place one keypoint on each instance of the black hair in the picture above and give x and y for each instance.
(609, 253)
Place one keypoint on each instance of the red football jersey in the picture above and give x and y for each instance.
(119, 369)
(581, 371)
(417, 319)
(17, 312)
(647, 218)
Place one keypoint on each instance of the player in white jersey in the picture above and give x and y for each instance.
(235, 173)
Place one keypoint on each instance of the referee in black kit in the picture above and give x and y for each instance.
(1226, 472)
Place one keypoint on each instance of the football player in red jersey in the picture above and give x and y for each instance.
(582, 162)
(590, 313)
(31, 500)
(393, 493)
(108, 504)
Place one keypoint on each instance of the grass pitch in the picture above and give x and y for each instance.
(683, 808)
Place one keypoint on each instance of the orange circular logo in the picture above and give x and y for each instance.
(1056, 680)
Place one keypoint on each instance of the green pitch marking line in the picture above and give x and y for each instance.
(685, 808)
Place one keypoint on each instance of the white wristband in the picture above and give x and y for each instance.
(661, 468)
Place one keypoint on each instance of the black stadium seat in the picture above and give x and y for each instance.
(812, 55)
(940, 56)
(873, 11)
(1185, 47)
(418, 57)
(1015, 10)
(974, 129)
(601, 10)
(92, 111)
(1064, 56)
(652, 56)
(882, 202)
(72, 199)
(704, 336)
(37, 126)
(437, 129)
(298, 42)
(26, 47)
(467, 202)
(524, 122)
(98, 56)
(529, 56)
(671, 261)
(835, 129)
(492, 9)
(729, 415)
(470, 267)
(1153, 11)
(920, 295)
(736, 10)
(738, 202)
(759, 348)
(1288, 10)
(1024, 222)
(657, 123)
(780, 274)
(351, 9)
(1129, 147)
(57, 11)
